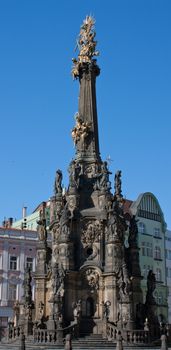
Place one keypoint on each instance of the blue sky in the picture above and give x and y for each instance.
(38, 97)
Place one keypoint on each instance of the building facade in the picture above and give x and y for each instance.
(29, 222)
(168, 270)
(17, 252)
(151, 242)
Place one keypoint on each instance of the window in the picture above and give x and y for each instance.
(13, 263)
(144, 271)
(158, 275)
(12, 292)
(143, 249)
(141, 227)
(147, 249)
(157, 253)
(168, 254)
(168, 272)
(29, 263)
(160, 298)
(0, 261)
(156, 232)
(148, 269)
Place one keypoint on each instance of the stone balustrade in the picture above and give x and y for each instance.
(136, 336)
(45, 336)
(111, 331)
(129, 336)
(13, 332)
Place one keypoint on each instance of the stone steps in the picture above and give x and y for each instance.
(96, 347)
(93, 342)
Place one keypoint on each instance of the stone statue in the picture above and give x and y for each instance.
(103, 182)
(58, 275)
(74, 172)
(77, 310)
(151, 285)
(118, 184)
(58, 182)
(41, 311)
(133, 232)
(42, 233)
(116, 223)
(106, 309)
(64, 221)
(92, 278)
(27, 296)
(86, 45)
(124, 284)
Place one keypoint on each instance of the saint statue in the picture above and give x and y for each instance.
(58, 182)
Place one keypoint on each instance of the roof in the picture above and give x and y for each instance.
(15, 229)
(127, 205)
(137, 204)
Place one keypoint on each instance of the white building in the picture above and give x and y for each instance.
(17, 251)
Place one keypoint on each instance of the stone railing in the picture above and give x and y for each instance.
(72, 329)
(136, 336)
(45, 336)
(111, 331)
(13, 332)
(129, 336)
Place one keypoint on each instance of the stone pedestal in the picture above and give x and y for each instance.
(59, 335)
(28, 328)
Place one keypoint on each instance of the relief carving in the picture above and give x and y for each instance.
(91, 232)
(92, 278)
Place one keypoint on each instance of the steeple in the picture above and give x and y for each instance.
(85, 68)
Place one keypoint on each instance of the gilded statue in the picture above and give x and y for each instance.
(86, 45)
(80, 131)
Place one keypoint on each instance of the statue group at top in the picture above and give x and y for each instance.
(86, 45)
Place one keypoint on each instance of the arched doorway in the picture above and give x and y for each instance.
(89, 307)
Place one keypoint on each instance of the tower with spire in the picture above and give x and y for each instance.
(84, 278)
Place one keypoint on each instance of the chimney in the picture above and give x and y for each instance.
(10, 222)
(24, 212)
